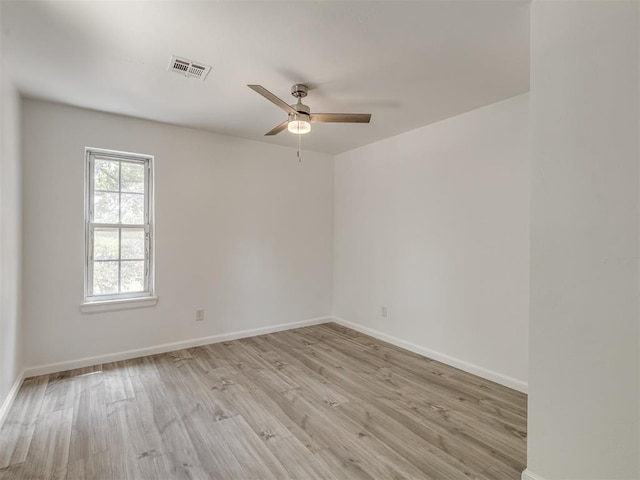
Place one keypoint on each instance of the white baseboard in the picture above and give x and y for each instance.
(6, 405)
(167, 347)
(529, 475)
(196, 342)
(441, 357)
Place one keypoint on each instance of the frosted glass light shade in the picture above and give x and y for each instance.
(299, 127)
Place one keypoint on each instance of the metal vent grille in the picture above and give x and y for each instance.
(187, 68)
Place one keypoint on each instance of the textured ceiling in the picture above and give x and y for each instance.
(407, 63)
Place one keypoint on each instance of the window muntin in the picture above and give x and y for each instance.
(119, 260)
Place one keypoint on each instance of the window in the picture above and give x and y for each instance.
(119, 226)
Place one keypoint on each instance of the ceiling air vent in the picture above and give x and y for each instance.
(188, 68)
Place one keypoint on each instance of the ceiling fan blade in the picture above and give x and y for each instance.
(341, 117)
(278, 129)
(272, 98)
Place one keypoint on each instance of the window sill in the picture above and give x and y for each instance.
(121, 304)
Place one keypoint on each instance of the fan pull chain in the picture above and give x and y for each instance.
(299, 148)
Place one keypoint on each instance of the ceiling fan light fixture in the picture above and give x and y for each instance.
(299, 124)
(299, 127)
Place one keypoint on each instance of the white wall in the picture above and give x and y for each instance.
(434, 224)
(584, 363)
(10, 229)
(242, 230)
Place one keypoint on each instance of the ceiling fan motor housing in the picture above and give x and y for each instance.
(299, 90)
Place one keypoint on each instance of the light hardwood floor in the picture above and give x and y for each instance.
(321, 402)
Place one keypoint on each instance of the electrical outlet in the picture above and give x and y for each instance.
(199, 314)
(383, 311)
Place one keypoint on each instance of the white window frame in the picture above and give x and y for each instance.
(92, 154)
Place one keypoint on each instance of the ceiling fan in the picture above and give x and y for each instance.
(300, 116)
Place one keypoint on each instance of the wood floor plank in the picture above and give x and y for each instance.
(167, 411)
(299, 461)
(256, 459)
(139, 366)
(270, 394)
(49, 448)
(61, 392)
(344, 466)
(17, 430)
(117, 383)
(92, 467)
(499, 473)
(13, 472)
(89, 416)
(257, 410)
(211, 448)
(320, 402)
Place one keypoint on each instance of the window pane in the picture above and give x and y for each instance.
(132, 244)
(105, 278)
(132, 177)
(105, 207)
(106, 175)
(105, 244)
(132, 208)
(132, 276)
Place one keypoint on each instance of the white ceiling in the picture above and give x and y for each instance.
(407, 63)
